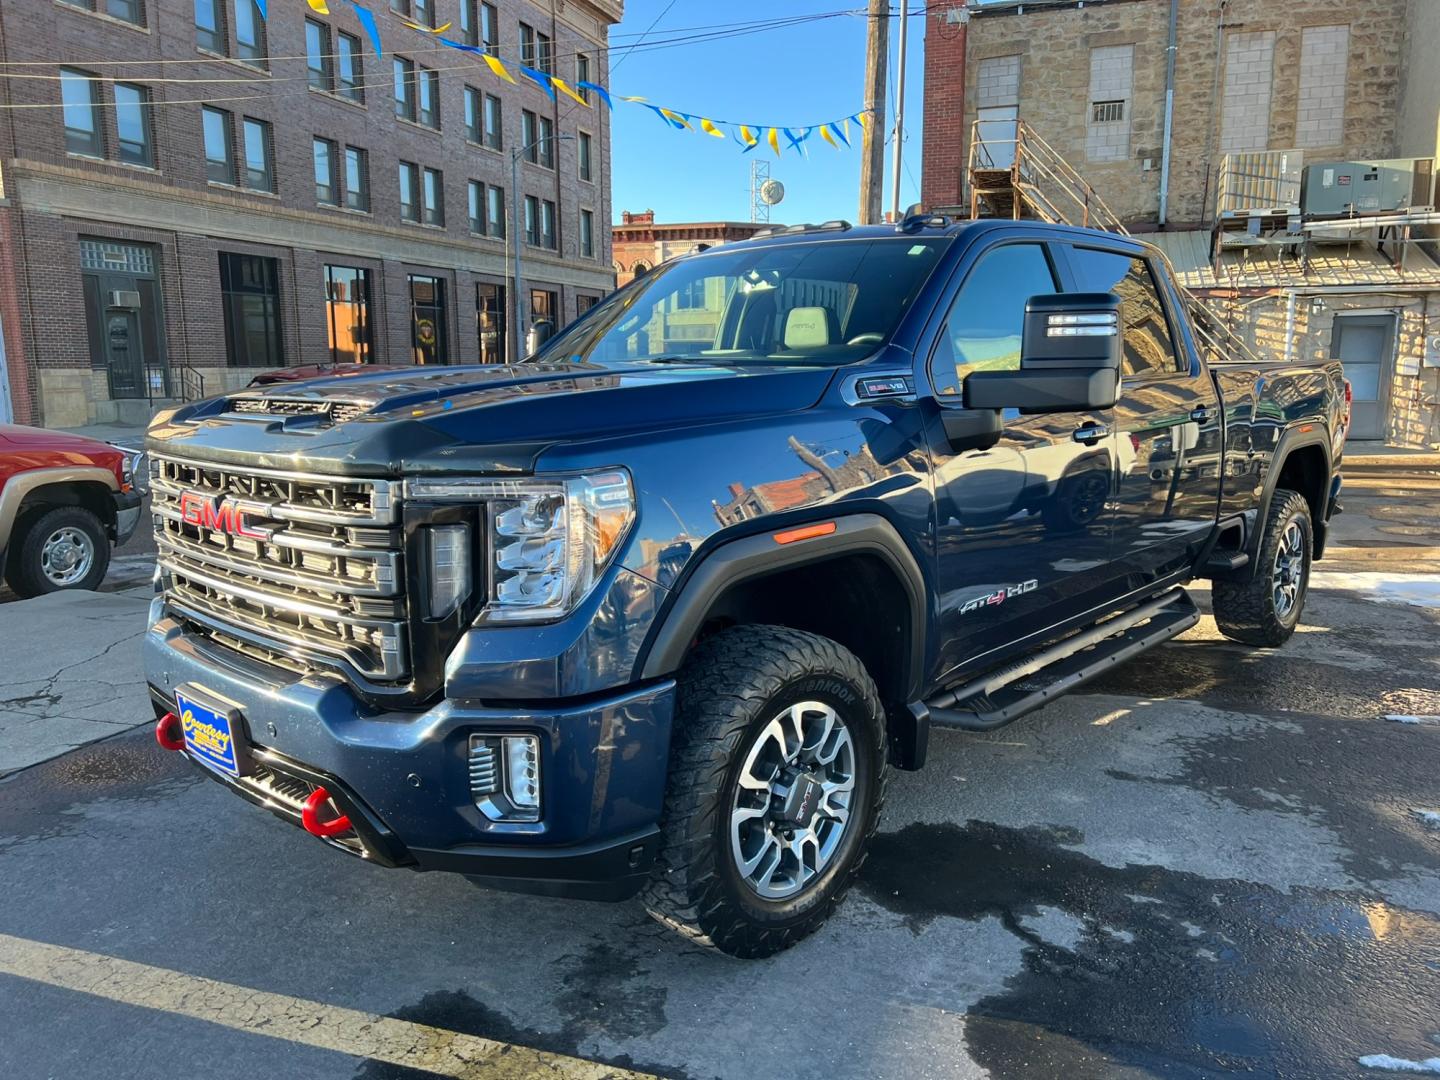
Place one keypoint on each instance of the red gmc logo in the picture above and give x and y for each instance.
(217, 515)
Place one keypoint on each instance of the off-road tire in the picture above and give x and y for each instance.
(1245, 610)
(24, 573)
(730, 688)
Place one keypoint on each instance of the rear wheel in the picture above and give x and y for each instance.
(776, 781)
(64, 548)
(1266, 609)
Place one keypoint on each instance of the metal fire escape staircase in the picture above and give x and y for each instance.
(1014, 173)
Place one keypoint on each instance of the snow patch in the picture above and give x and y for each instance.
(1402, 718)
(1430, 818)
(1417, 590)
(1394, 1064)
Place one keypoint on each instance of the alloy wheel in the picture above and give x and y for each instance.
(1288, 576)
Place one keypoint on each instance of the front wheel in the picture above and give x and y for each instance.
(1266, 609)
(776, 781)
(64, 548)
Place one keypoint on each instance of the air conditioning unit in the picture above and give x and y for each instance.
(124, 298)
(1368, 187)
(1265, 182)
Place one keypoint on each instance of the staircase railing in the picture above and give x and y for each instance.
(192, 383)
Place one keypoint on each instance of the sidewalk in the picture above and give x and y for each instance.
(71, 673)
(127, 435)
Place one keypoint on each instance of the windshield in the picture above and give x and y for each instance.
(827, 302)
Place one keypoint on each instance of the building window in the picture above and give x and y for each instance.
(691, 297)
(494, 139)
(584, 302)
(317, 55)
(249, 32)
(348, 71)
(357, 179)
(490, 321)
(434, 193)
(404, 88)
(409, 191)
(469, 24)
(585, 156)
(543, 306)
(129, 11)
(250, 295)
(1324, 62)
(428, 329)
(347, 314)
(477, 207)
(529, 124)
(327, 191)
(490, 29)
(495, 212)
(548, 224)
(259, 156)
(582, 74)
(428, 84)
(527, 45)
(210, 26)
(473, 119)
(587, 234)
(547, 142)
(1245, 104)
(219, 145)
(80, 95)
(532, 221)
(1107, 112)
(423, 12)
(132, 125)
(545, 50)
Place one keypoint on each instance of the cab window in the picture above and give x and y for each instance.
(983, 327)
(1148, 347)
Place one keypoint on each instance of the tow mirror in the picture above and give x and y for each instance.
(541, 331)
(1069, 358)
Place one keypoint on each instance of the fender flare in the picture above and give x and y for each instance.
(750, 557)
(1291, 439)
(13, 494)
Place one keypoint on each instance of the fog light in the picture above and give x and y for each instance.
(449, 568)
(522, 771)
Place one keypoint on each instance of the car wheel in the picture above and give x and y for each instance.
(64, 548)
(777, 776)
(1266, 609)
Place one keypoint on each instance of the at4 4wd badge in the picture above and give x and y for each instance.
(999, 596)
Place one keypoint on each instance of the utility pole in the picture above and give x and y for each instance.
(872, 160)
(899, 109)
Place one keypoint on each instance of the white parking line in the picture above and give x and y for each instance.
(293, 1019)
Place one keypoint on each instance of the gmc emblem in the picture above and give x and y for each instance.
(217, 515)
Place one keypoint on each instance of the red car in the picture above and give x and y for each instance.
(64, 499)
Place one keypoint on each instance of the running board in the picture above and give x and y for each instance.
(994, 700)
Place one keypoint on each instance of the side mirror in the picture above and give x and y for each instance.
(1069, 358)
(541, 331)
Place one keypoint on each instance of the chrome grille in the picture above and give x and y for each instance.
(335, 412)
(301, 569)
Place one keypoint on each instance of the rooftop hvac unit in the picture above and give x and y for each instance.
(1368, 187)
(1263, 182)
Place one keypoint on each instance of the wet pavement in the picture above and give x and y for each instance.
(1216, 861)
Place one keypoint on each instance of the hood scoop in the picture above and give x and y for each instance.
(327, 412)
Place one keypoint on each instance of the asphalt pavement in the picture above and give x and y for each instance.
(1217, 861)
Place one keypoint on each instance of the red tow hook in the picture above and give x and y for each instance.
(310, 816)
(169, 732)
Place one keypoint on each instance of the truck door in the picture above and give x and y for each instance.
(1167, 419)
(1022, 531)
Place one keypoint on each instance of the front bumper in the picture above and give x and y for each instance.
(402, 777)
(127, 514)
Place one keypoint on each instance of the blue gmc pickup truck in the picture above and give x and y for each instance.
(654, 611)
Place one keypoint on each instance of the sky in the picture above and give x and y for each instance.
(791, 76)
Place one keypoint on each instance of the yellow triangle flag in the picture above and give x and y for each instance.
(415, 25)
(774, 138)
(861, 119)
(498, 68)
(825, 134)
(747, 136)
(710, 129)
(671, 114)
(564, 88)
(318, 6)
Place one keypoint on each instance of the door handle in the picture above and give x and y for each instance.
(1203, 415)
(1090, 434)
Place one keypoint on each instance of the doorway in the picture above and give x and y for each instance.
(1365, 347)
(122, 317)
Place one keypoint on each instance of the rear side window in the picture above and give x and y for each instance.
(983, 327)
(1149, 349)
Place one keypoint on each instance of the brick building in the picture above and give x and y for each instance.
(311, 201)
(640, 244)
(1090, 77)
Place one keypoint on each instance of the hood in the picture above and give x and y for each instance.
(477, 419)
(32, 438)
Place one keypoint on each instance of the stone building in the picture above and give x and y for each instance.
(1354, 82)
(308, 201)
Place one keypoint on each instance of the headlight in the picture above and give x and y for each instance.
(549, 538)
(134, 470)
